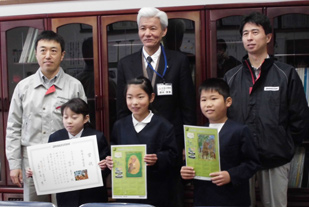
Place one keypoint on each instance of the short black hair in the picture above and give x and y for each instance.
(144, 83)
(50, 36)
(258, 19)
(216, 84)
(77, 105)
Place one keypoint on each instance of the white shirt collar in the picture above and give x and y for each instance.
(140, 125)
(217, 125)
(78, 135)
(154, 57)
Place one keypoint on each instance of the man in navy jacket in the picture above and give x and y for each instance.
(268, 96)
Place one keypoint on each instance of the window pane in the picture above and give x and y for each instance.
(78, 60)
(20, 53)
(181, 37)
(123, 40)
(230, 50)
(291, 39)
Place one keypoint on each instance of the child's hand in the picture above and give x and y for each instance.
(102, 164)
(187, 173)
(220, 178)
(150, 159)
(29, 173)
(109, 162)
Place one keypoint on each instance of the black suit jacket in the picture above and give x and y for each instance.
(78, 197)
(238, 156)
(178, 108)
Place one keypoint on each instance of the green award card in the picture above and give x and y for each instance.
(202, 150)
(129, 172)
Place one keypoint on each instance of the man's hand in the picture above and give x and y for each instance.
(17, 177)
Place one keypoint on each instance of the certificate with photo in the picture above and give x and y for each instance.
(65, 165)
(129, 176)
(202, 150)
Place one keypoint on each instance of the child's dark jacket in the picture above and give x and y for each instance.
(239, 157)
(159, 137)
(78, 197)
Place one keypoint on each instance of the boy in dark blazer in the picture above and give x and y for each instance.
(75, 114)
(238, 155)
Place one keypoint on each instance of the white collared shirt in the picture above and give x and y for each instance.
(217, 125)
(78, 135)
(139, 126)
(154, 58)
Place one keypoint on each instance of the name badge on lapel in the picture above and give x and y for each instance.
(164, 89)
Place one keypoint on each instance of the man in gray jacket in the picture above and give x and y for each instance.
(35, 108)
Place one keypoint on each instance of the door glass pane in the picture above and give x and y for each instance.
(21, 61)
(1, 168)
(78, 60)
(181, 37)
(291, 43)
(291, 39)
(230, 50)
(122, 40)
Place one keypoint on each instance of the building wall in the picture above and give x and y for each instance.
(107, 5)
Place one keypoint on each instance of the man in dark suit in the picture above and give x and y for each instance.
(171, 77)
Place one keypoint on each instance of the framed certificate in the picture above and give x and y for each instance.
(202, 150)
(65, 165)
(129, 176)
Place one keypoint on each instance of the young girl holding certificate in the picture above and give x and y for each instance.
(75, 116)
(144, 127)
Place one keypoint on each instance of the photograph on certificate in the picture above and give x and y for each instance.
(129, 172)
(202, 150)
(65, 165)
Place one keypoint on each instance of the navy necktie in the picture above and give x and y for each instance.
(149, 69)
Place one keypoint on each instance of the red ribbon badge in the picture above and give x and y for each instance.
(52, 89)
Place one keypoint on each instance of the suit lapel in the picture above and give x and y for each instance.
(85, 132)
(162, 63)
(225, 132)
(136, 64)
(225, 128)
(64, 134)
(161, 67)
